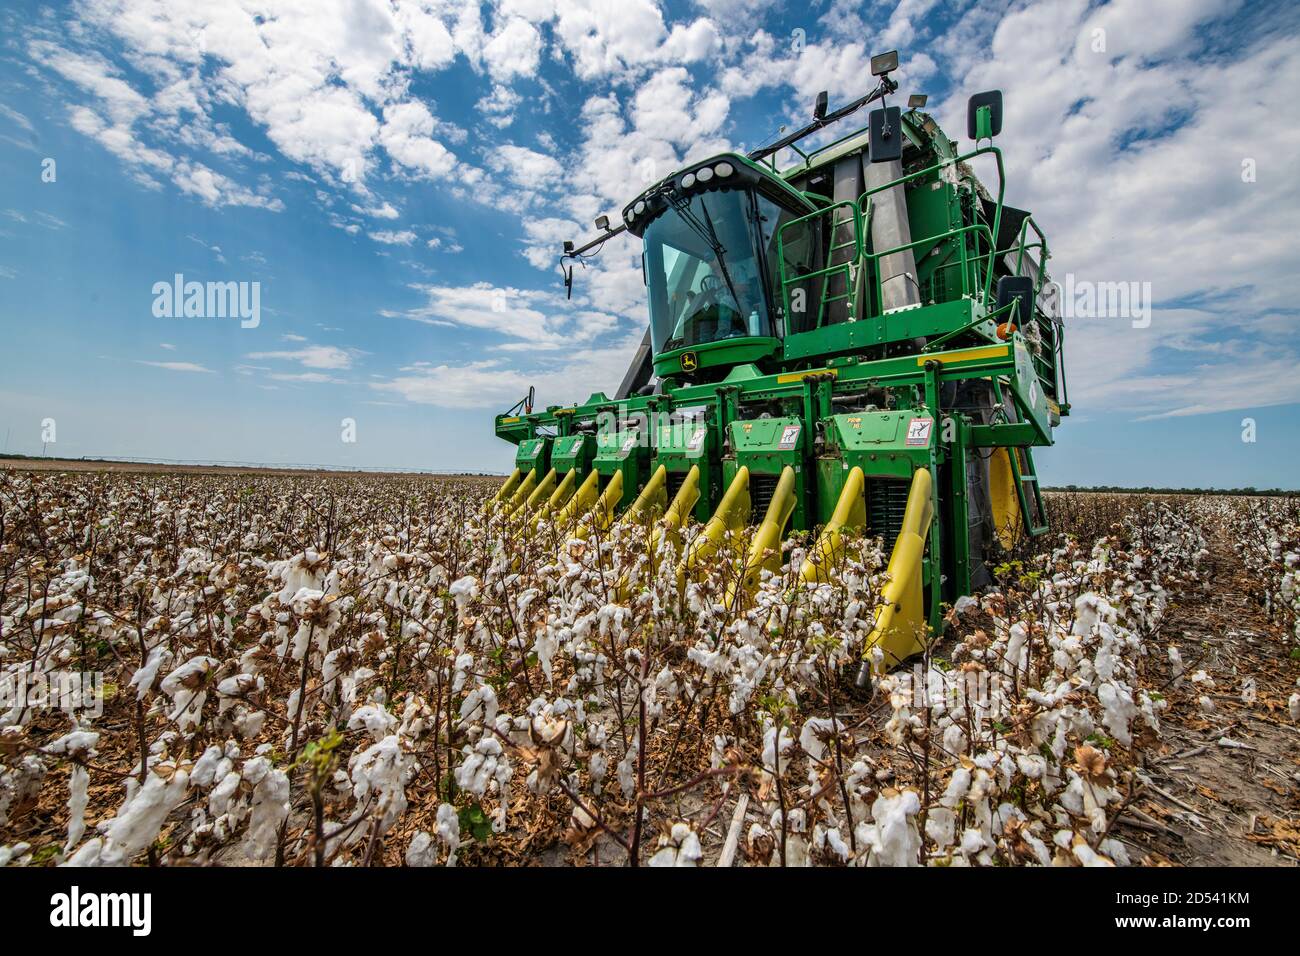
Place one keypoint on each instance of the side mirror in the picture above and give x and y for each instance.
(984, 115)
(886, 136)
(1020, 290)
(819, 110)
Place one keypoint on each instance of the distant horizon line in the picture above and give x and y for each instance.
(399, 470)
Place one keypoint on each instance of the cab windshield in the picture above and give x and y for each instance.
(706, 262)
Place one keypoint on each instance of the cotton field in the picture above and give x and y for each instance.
(325, 670)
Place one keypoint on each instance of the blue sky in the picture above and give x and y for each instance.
(397, 178)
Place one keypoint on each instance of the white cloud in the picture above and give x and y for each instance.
(498, 107)
(490, 384)
(525, 167)
(384, 210)
(528, 320)
(311, 356)
(407, 136)
(604, 38)
(391, 237)
(1131, 160)
(175, 366)
(514, 50)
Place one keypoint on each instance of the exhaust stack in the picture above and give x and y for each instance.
(889, 230)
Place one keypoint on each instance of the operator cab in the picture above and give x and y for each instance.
(710, 235)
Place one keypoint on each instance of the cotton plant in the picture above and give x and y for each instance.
(353, 671)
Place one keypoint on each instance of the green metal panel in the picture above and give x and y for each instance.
(882, 444)
(766, 446)
(679, 446)
(625, 450)
(573, 453)
(724, 352)
(1029, 389)
(927, 320)
(534, 454)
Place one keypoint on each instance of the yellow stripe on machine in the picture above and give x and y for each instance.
(800, 376)
(966, 355)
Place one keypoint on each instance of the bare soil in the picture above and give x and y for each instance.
(1225, 785)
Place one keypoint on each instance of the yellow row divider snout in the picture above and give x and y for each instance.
(850, 512)
(900, 626)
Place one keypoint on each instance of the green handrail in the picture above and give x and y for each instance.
(844, 268)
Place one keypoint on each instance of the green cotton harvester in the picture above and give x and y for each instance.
(866, 340)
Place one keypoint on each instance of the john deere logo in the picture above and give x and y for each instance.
(689, 362)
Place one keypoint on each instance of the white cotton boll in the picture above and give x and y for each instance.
(1016, 638)
(138, 821)
(270, 809)
(1033, 766)
(185, 686)
(972, 841)
(255, 768)
(301, 640)
(812, 738)
(954, 739)
(422, 851)
(89, 855)
(545, 647)
(463, 591)
(376, 720)
(464, 665)
(248, 723)
(627, 770)
(1175, 665)
(680, 847)
(381, 769)
(1088, 857)
(835, 843)
(1118, 711)
(480, 704)
(1088, 611)
(206, 768)
(957, 787)
(1203, 680)
(78, 797)
(940, 827)
(142, 680)
(1293, 706)
(1206, 705)
(480, 765)
(222, 793)
(448, 829)
(774, 751)
(76, 743)
(892, 836)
